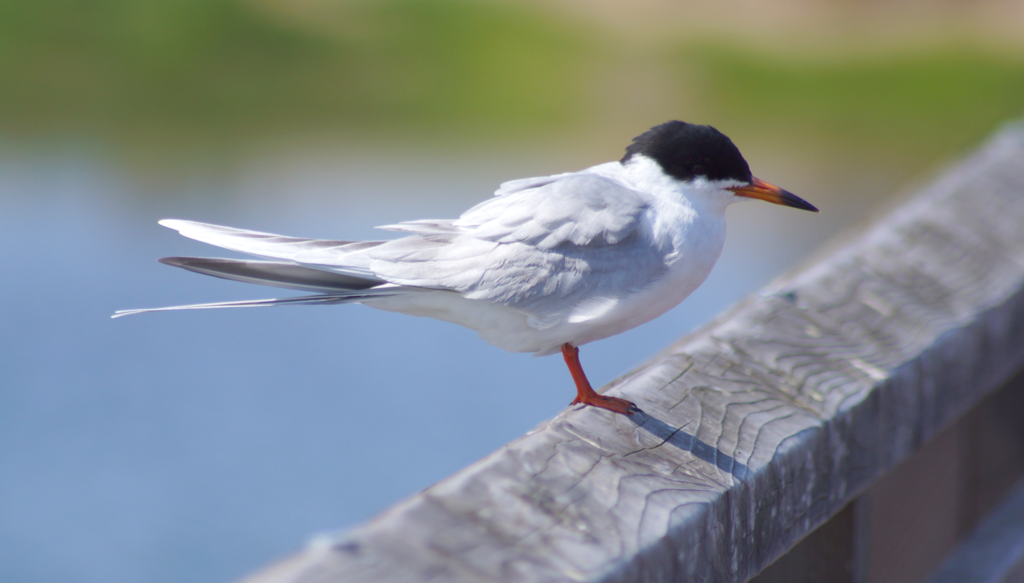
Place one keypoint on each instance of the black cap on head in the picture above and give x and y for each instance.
(686, 150)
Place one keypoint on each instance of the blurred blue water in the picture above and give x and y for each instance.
(198, 446)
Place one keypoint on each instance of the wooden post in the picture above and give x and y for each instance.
(758, 428)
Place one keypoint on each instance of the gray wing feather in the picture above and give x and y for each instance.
(272, 273)
(583, 209)
(520, 184)
(425, 227)
(545, 250)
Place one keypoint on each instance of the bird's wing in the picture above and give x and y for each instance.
(566, 249)
(580, 208)
(520, 184)
(302, 251)
(427, 227)
(545, 211)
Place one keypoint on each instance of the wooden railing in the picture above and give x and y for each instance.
(760, 427)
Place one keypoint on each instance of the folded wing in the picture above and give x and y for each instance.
(551, 250)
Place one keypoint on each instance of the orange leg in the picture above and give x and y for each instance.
(585, 395)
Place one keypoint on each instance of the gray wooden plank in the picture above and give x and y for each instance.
(758, 427)
(994, 553)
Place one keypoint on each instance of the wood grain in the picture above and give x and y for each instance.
(758, 428)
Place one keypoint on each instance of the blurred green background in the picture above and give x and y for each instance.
(901, 84)
(197, 446)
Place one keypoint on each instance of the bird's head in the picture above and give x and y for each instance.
(707, 162)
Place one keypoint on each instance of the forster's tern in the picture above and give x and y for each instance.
(546, 265)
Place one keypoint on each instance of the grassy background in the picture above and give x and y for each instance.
(128, 67)
(183, 74)
(915, 106)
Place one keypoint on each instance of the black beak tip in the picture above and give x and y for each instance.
(799, 203)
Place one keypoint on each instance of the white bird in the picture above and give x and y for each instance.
(546, 265)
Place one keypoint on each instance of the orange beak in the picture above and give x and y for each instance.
(761, 190)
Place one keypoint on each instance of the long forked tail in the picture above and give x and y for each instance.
(321, 254)
(330, 268)
(317, 300)
(334, 288)
(274, 274)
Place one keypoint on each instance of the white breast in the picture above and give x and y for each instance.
(697, 238)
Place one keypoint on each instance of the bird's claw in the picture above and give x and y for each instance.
(610, 403)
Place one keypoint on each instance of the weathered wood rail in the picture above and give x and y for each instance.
(757, 429)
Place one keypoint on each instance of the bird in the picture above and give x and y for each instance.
(546, 265)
